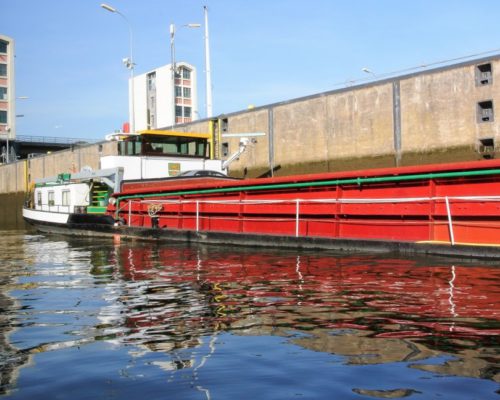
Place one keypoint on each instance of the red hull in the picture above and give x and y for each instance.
(457, 203)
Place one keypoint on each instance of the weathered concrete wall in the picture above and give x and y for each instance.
(70, 160)
(13, 177)
(439, 114)
(11, 211)
(430, 117)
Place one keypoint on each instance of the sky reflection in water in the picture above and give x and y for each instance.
(89, 319)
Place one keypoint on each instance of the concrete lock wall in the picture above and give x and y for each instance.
(70, 160)
(429, 117)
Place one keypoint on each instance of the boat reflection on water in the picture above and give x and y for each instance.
(174, 305)
(369, 309)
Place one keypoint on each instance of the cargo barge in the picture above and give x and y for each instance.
(451, 209)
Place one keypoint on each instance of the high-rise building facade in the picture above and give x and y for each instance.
(158, 102)
(7, 89)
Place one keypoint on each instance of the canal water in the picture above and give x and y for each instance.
(93, 319)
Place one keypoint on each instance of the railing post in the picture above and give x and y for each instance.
(197, 215)
(129, 211)
(450, 224)
(297, 212)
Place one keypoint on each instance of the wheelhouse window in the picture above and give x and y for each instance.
(158, 145)
(174, 146)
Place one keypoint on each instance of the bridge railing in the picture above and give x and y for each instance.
(54, 140)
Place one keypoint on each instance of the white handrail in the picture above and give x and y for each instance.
(197, 216)
(297, 218)
(450, 224)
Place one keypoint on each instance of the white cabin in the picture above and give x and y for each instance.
(64, 198)
(162, 154)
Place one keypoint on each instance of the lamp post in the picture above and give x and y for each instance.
(9, 130)
(208, 77)
(129, 64)
(368, 71)
(173, 67)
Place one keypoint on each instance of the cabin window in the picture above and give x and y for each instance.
(485, 111)
(484, 75)
(51, 198)
(65, 197)
(39, 198)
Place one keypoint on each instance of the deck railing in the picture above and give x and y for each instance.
(298, 205)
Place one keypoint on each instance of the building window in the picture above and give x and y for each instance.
(152, 81)
(225, 125)
(178, 111)
(3, 46)
(3, 93)
(487, 147)
(225, 149)
(51, 198)
(178, 91)
(39, 198)
(485, 111)
(3, 69)
(186, 73)
(186, 92)
(65, 198)
(484, 74)
(187, 112)
(3, 117)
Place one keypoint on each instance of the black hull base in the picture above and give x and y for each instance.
(106, 229)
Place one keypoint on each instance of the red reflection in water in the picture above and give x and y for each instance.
(393, 285)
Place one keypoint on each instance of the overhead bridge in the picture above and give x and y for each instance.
(25, 146)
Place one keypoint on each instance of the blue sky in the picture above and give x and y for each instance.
(69, 52)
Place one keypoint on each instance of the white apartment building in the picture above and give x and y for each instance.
(160, 103)
(7, 89)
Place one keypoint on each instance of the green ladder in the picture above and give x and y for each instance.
(98, 198)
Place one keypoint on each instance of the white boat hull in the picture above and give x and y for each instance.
(45, 216)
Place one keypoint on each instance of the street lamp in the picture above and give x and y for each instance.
(368, 71)
(208, 77)
(9, 130)
(129, 64)
(173, 67)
